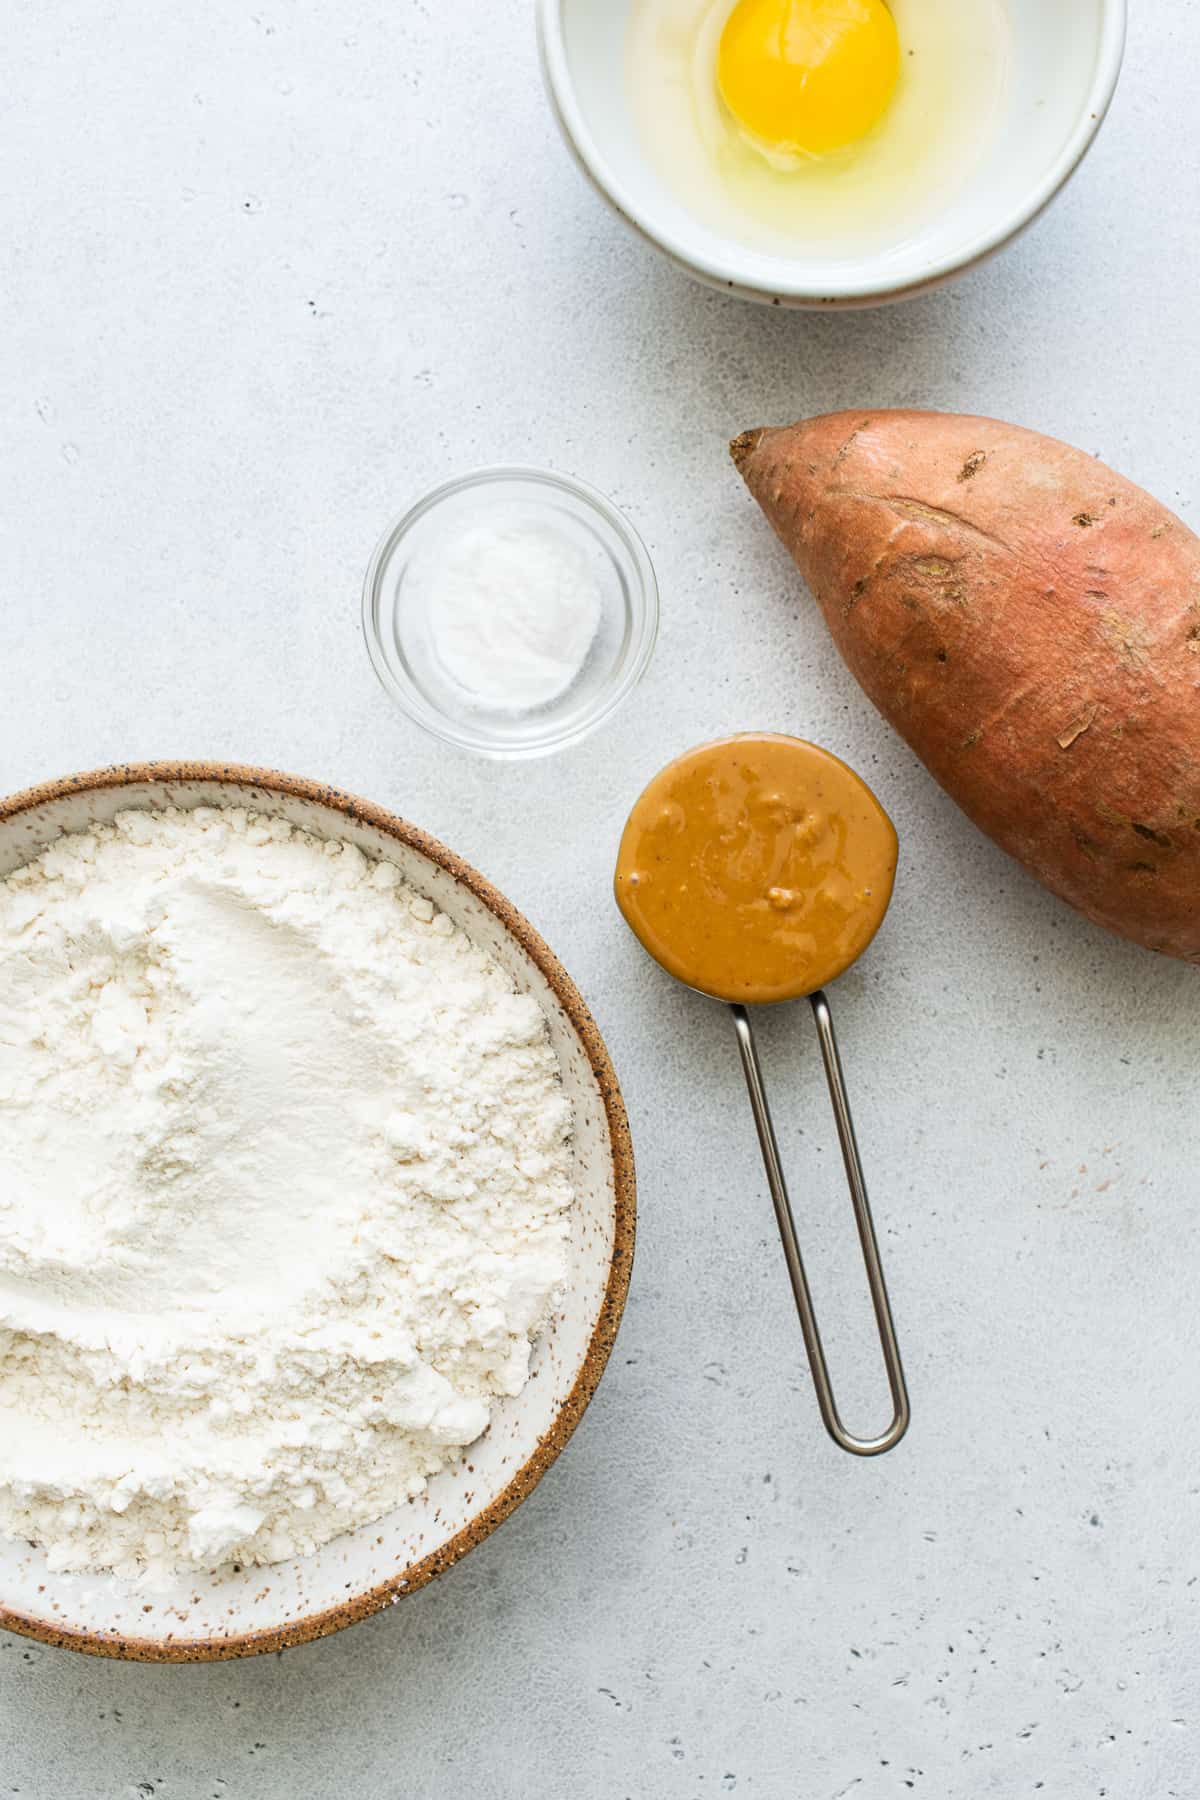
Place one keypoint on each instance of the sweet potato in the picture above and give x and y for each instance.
(1030, 623)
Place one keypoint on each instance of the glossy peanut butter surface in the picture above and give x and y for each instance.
(756, 868)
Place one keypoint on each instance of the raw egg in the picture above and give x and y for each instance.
(804, 77)
(835, 126)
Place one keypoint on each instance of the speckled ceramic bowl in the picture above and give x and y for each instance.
(229, 1614)
(1065, 59)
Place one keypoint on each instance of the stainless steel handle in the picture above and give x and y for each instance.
(791, 1246)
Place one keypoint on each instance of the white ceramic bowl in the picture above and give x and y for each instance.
(1066, 59)
(211, 1617)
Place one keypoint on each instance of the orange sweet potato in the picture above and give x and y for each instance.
(1030, 623)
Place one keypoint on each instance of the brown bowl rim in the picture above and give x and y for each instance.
(549, 1447)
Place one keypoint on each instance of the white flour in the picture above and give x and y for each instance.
(284, 1172)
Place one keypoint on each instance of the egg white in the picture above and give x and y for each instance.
(870, 196)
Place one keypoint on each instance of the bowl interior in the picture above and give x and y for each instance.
(1065, 54)
(288, 1601)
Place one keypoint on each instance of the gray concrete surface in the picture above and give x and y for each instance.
(268, 269)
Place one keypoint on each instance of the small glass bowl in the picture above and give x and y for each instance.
(396, 621)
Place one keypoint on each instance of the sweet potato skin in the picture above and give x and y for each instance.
(1029, 622)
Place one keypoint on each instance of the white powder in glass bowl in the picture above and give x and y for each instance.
(284, 1191)
(513, 610)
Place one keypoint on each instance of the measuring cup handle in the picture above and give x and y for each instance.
(791, 1245)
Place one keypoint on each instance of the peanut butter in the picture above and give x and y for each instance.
(757, 868)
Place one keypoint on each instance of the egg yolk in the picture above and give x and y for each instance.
(804, 77)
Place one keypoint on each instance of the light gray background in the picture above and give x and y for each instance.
(267, 272)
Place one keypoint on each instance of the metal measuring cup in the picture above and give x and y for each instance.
(752, 1068)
